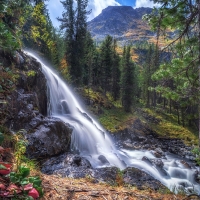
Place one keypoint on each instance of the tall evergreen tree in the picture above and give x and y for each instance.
(89, 61)
(115, 73)
(106, 63)
(67, 23)
(182, 16)
(74, 23)
(127, 80)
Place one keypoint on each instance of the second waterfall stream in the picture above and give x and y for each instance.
(91, 141)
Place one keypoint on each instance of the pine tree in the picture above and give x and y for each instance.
(74, 23)
(68, 23)
(115, 72)
(127, 80)
(178, 80)
(89, 60)
(106, 63)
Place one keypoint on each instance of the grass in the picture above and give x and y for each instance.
(168, 127)
(114, 118)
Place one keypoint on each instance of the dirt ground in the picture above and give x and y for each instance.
(57, 188)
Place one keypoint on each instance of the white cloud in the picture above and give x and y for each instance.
(56, 8)
(144, 3)
(98, 5)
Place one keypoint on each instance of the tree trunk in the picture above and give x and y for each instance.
(183, 117)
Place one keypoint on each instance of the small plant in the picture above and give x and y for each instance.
(119, 178)
(31, 73)
(196, 152)
(19, 184)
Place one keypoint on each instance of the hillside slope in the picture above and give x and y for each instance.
(121, 22)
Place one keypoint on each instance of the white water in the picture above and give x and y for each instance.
(90, 140)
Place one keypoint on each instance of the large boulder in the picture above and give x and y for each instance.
(29, 99)
(141, 179)
(68, 165)
(32, 80)
(51, 137)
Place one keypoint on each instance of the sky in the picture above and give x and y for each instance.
(56, 8)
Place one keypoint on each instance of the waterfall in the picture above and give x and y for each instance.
(91, 141)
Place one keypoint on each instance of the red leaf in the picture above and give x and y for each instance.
(7, 165)
(12, 188)
(33, 193)
(5, 194)
(2, 186)
(5, 171)
(28, 187)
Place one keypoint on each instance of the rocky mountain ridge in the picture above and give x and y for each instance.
(122, 22)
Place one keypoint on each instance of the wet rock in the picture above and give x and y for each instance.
(50, 138)
(106, 174)
(68, 165)
(19, 60)
(159, 151)
(77, 161)
(156, 154)
(36, 121)
(30, 97)
(103, 159)
(64, 107)
(146, 160)
(140, 179)
(185, 164)
(158, 164)
(197, 176)
(146, 146)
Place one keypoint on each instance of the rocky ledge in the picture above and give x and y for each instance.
(75, 166)
(27, 106)
(139, 136)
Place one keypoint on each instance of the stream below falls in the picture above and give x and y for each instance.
(91, 140)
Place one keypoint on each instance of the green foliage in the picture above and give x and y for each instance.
(115, 73)
(11, 21)
(127, 80)
(75, 25)
(8, 41)
(20, 185)
(177, 80)
(114, 119)
(168, 126)
(119, 178)
(19, 154)
(31, 73)
(106, 63)
(196, 152)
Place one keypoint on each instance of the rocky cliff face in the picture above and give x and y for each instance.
(26, 109)
(121, 22)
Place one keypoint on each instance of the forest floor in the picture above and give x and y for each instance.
(57, 188)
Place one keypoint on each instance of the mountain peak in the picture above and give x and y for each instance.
(119, 22)
(117, 8)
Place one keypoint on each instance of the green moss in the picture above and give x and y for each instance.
(168, 127)
(31, 73)
(115, 119)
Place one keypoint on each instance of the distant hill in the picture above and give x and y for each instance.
(123, 23)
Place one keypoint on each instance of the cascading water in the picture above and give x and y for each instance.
(92, 141)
